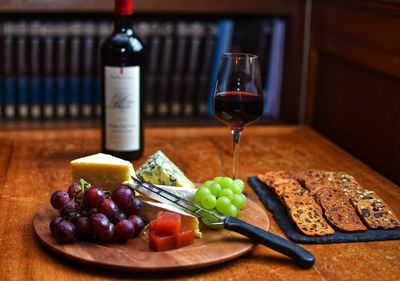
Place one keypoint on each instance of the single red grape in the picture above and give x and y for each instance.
(135, 207)
(83, 228)
(54, 222)
(70, 206)
(110, 209)
(101, 229)
(65, 232)
(138, 223)
(122, 196)
(58, 199)
(124, 230)
(107, 235)
(74, 189)
(93, 197)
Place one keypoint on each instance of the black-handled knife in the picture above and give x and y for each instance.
(300, 255)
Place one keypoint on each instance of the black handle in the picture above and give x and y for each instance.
(303, 257)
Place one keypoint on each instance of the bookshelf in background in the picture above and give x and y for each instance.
(184, 51)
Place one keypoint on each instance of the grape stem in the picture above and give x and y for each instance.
(84, 186)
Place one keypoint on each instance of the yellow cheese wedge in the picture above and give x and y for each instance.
(103, 170)
(150, 210)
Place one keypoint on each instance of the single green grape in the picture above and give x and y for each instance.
(226, 182)
(238, 201)
(231, 211)
(240, 183)
(217, 179)
(207, 183)
(215, 188)
(201, 193)
(223, 204)
(244, 198)
(236, 188)
(209, 202)
(226, 192)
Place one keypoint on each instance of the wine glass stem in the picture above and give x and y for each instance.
(236, 133)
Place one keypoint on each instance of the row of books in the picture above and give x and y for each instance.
(50, 69)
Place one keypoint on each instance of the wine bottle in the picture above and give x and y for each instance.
(122, 59)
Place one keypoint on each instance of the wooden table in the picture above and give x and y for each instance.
(35, 163)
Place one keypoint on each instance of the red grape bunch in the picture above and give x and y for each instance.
(89, 213)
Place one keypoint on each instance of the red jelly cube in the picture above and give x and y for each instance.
(153, 225)
(184, 238)
(168, 223)
(159, 242)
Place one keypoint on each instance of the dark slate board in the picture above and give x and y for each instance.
(278, 210)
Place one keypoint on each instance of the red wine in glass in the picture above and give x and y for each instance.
(237, 109)
(238, 96)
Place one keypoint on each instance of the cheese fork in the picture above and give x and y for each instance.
(300, 255)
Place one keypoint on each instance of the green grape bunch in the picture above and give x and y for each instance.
(222, 195)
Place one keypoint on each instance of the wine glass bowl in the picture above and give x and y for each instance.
(238, 96)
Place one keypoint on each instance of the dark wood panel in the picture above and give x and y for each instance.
(293, 63)
(152, 6)
(359, 52)
(374, 26)
(354, 79)
(358, 108)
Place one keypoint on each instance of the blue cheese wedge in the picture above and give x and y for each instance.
(158, 169)
(103, 170)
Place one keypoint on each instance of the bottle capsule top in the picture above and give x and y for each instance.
(123, 7)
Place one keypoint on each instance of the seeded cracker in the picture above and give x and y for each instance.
(280, 185)
(269, 177)
(338, 211)
(309, 221)
(376, 214)
(313, 180)
(297, 195)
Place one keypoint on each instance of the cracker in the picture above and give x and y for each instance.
(310, 221)
(338, 211)
(297, 195)
(270, 177)
(304, 176)
(356, 195)
(376, 214)
(313, 180)
(280, 185)
(343, 181)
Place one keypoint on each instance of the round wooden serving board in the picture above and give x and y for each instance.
(216, 246)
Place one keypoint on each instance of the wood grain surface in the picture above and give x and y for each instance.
(33, 163)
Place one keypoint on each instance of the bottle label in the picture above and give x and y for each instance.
(122, 106)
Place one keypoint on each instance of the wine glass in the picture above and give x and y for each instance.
(238, 96)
